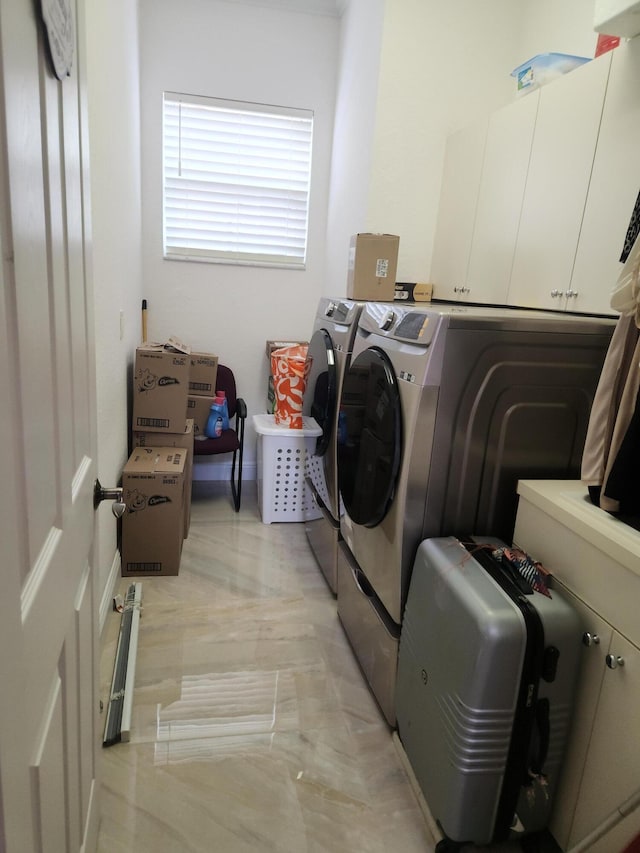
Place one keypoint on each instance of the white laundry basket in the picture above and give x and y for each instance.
(283, 493)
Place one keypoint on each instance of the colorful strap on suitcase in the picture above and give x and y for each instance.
(531, 570)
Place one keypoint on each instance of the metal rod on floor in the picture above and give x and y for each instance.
(118, 723)
(629, 806)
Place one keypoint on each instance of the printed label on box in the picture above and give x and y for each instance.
(382, 267)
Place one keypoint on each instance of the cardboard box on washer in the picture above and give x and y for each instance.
(161, 387)
(420, 292)
(168, 439)
(153, 489)
(373, 263)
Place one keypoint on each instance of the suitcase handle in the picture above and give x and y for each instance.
(543, 726)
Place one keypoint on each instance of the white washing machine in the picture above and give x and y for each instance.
(443, 408)
(330, 347)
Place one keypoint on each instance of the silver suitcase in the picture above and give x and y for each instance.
(486, 676)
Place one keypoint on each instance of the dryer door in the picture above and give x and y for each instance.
(369, 437)
(320, 397)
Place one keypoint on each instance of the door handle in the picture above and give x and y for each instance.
(100, 494)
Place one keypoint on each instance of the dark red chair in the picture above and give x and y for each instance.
(232, 439)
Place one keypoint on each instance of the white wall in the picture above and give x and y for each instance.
(354, 125)
(250, 53)
(114, 120)
(399, 75)
(440, 66)
(550, 26)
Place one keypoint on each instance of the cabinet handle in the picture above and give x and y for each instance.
(571, 293)
(590, 639)
(556, 293)
(614, 661)
(461, 290)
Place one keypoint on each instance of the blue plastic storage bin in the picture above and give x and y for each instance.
(543, 68)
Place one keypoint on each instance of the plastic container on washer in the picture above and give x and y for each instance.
(283, 494)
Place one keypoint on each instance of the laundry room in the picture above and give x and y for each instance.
(386, 159)
(454, 437)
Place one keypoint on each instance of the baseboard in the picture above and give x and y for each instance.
(432, 826)
(206, 469)
(106, 602)
(92, 823)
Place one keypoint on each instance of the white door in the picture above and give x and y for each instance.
(48, 642)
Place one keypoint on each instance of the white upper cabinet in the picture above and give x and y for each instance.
(614, 186)
(456, 214)
(504, 174)
(536, 201)
(562, 155)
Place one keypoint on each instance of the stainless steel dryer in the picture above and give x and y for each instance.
(330, 347)
(443, 409)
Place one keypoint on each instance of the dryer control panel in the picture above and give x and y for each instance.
(417, 326)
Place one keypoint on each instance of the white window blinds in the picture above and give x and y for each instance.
(236, 181)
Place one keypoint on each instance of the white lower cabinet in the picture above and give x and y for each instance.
(595, 560)
(602, 763)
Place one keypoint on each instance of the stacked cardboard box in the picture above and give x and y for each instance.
(185, 441)
(161, 387)
(157, 478)
(153, 488)
(202, 388)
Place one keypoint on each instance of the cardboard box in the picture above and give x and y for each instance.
(153, 489)
(373, 262)
(198, 409)
(184, 440)
(203, 373)
(419, 292)
(160, 388)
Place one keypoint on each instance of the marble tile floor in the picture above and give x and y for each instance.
(253, 729)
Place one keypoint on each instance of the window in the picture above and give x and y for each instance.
(236, 181)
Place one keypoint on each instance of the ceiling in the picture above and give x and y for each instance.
(313, 7)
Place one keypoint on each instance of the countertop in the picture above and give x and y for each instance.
(568, 502)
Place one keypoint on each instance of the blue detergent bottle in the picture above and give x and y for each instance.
(215, 421)
(221, 396)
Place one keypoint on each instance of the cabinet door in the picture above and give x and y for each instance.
(598, 634)
(612, 770)
(502, 184)
(613, 189)
(564, 143)
(456, 214)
